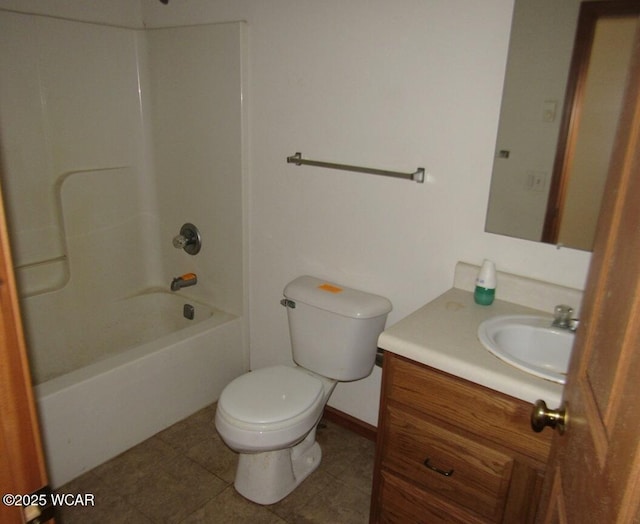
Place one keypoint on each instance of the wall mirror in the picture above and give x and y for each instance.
(566, 73)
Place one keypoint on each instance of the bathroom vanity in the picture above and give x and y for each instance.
(454, 437)
(453, 451)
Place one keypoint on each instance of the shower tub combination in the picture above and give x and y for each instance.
(96, 110)
(170, 368)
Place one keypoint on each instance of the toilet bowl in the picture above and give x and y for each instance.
(269, 416)
(271, 408)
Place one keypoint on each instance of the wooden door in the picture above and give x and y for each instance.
(22, 469)
(594, 471)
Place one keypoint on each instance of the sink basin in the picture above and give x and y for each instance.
(529, 343)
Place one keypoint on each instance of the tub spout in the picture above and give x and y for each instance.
(186, 280)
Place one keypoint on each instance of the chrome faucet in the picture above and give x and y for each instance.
(563, 318)
(186, 280)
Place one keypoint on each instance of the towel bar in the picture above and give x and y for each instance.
(417, 176)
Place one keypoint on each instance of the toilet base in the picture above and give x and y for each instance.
(266, 478)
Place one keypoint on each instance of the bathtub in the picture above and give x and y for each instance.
(158, 368)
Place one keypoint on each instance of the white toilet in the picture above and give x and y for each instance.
(270, 415)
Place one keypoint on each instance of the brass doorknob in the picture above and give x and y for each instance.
(542, 416)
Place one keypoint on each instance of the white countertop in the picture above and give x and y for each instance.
(443, 335)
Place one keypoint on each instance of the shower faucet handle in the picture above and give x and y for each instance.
(189, 239)
(179, 241)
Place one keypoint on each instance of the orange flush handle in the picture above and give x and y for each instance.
(330, 288)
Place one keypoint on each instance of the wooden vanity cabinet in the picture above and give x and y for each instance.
(449, 450)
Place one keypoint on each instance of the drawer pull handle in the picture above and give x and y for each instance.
(437, 470)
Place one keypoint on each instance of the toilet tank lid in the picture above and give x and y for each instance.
(336, 298)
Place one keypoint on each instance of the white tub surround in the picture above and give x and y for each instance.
(443, 333)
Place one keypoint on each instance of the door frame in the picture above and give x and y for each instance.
(22, 464)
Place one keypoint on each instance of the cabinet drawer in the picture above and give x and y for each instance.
(404, 503)
(495, 416)
(469, 474)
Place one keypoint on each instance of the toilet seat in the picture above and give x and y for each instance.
(270, 395)
(271, 408)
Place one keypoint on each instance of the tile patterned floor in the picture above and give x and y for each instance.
(185, 475)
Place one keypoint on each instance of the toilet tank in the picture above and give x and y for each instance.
(334, 329)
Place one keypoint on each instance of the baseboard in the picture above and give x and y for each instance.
(351, 423)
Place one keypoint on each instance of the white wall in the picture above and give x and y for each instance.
(123, 13)
(385, 84)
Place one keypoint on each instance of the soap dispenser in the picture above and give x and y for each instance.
(485, 290)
